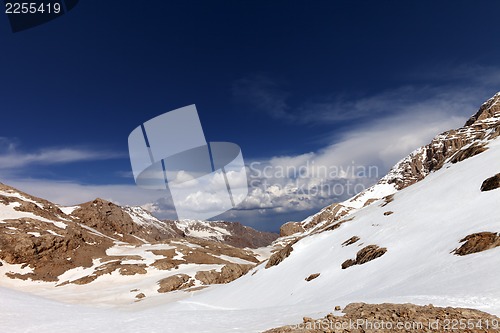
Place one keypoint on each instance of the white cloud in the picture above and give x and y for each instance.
(11, 157)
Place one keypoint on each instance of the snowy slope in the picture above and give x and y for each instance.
(435, 201)
(428, 221)
(429, 218)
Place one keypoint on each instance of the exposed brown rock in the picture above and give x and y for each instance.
(280, 255)
(388, 213)
(348, 263)
(167, 264)
(350, 241)
(128, 269)
(113, 221)
(50, 254)
(175, 282)
(491, 183)
(140, 296)
(329, 215)
(420, 319)
(291, 228)
(489, 109)
(366, 254)
(464, 154)
(387, 200)
(333, 225)
(312, 276)
(228, 273)
(478, 242)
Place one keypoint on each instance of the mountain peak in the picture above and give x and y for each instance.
(489, 109)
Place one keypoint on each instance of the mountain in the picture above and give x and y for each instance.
(232, 233)
(422, 246)
(427, 232)
(99, 241)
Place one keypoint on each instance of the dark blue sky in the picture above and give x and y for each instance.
(258, 71)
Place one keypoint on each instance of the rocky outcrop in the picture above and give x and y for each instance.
(366, 254)
(312, 276)
(291, 228)
(454, 146)
(114, 221)
(175, 282)
(228, 273)
(384, 318)
(478, 242)
(488, 110)
(491, 183)
(280, 255)
(350, 241)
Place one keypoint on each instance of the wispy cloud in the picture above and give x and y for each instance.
(455, 89)
(12, 157)
(264, 94)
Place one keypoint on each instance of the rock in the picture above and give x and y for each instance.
(337, 308)
(388, 213)
(140, 296)
(175, 282)
(133, 269)
(464, 154)
(350, 241)
(291, 228)
(420, 318)
(312, 276)
(281, 255)
(478, 242)
(348, 263)
(366, 254)
(491, 183)
(369, 253)
(228, 273)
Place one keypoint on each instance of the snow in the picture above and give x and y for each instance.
(202, 229)
(429, 219)
(21, 197)
(68, 210)
(8, 212)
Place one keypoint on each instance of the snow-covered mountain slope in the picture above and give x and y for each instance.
(428, 232)
(401, 248)
(451, 146)
(72, 253)
(232, 233)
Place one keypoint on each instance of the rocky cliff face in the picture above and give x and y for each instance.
(452, 146)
